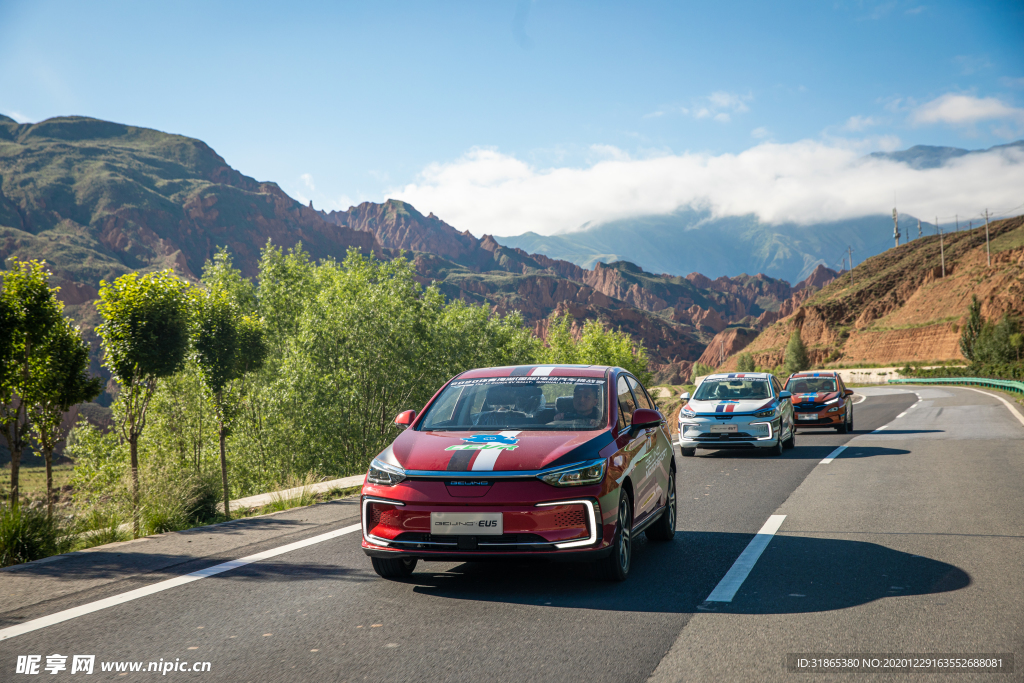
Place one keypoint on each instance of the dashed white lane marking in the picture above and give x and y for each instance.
(832, 455)
(880, 428)
(903, 413)
(726, 589)
(113, 600)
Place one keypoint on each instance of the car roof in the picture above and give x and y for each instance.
(538, 371)
(814, 373)
(738, 375)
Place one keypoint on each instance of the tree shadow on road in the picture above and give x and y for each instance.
(795, 574)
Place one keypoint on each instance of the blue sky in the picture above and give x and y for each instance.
(464, 106)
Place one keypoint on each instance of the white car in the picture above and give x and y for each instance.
(737, 410)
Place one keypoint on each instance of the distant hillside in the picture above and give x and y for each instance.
(925, 156)
(689, 241)
(897, 307)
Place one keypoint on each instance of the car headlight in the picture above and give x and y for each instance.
(588, 473)
(828, 403)
(766, 413)
(688, 412)
(384, 474)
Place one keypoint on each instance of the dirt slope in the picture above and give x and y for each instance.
(898, 307)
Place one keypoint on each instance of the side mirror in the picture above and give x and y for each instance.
(685, 395)
(405, 419)
(849, 392)
(645, 417)
(785, 395)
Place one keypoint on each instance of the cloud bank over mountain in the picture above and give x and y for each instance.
(805, 182)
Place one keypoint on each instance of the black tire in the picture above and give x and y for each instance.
(847, 425)
(396, 568)
(776, 450)
(688, 452)
(616, 566)
(791, 441)
(665, 528)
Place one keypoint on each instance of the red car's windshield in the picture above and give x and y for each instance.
(810, 385)
(520, 403)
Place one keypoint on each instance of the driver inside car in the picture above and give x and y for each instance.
(585, 398)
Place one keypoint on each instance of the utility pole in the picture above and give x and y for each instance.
(919, 227)
(988, 251)
(896, 226)
(721, 352)
(942, 250)
(850, 250)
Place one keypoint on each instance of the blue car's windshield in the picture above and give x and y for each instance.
(733, 389)
(520, 403)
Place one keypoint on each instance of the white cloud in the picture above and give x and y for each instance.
(1012, 82)
(859, 123)
(760, 133)
(964, 110)
(19, 117)
(718, 106)
(486, 191)
(307, 180)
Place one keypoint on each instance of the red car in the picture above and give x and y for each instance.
(821, 399)
(560, 462)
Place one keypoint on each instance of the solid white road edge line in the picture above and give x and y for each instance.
(737, 574)
(1013, 410)
(831, 456)
(880, 428)
(113, 600)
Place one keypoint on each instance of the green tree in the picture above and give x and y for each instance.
(745, 362)
(971, 330)
(225, 346)
(796, 355)
(700, 370)
(595, 346)
(999, 342)
(30, 312)
(60, 380)
(145, 333)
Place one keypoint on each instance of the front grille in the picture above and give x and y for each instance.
(807, 407)
(734, 436)
(502, 543)
(387, 516)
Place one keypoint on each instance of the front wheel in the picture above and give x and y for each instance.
(665, 528)
(791, 441)
(847, 425)
(615, 567)
(393, 568)
(688, 452)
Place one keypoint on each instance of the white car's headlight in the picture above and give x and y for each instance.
(579, 475)
(384, 474)
(765, 413)
(687, 411)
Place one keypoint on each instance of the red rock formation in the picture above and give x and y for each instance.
(726, 343)
(820, 277)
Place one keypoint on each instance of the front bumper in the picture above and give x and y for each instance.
(751, 432)
(822, 417)
(537, 520)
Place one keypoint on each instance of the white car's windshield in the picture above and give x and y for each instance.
(521, 403)
(732, 389)
(810, 385)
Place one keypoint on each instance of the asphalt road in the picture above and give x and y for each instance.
(910, 541)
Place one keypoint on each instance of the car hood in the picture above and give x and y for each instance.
(728, 406)
(489, 451)
(819, 397)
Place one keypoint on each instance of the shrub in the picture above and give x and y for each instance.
(28, 534)
(745, 362)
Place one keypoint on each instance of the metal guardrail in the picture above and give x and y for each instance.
(1005, 384)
